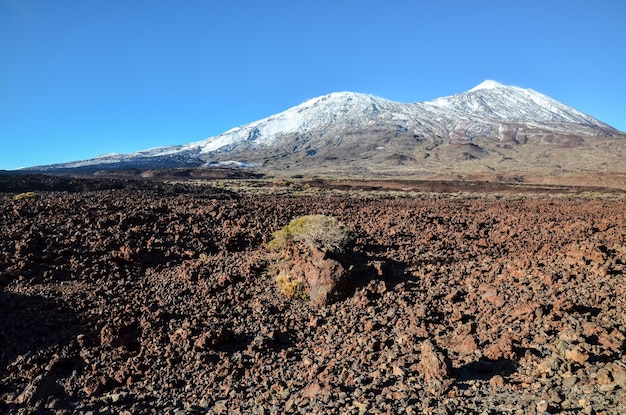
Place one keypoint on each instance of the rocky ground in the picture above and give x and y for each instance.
(143, 297)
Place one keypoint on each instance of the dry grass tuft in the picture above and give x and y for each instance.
(289, 287)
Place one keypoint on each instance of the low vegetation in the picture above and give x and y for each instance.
(22, 196)
(321, 231)
(290, 288)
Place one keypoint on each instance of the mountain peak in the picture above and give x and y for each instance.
(503, 103)
(487, 84)
(366, 126)
(342, 96)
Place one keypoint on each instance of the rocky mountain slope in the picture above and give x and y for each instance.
(490, 128)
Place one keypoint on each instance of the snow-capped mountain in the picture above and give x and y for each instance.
(512, 104)
(360, 132)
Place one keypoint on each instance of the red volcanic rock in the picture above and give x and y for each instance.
(313, 390)
(433, 363)
(123, 297)
(94, 384)
(501, 349)
(468, 346)
(214, 339)
(324, 279)
(491, 295)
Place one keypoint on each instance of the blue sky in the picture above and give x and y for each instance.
(83, 78)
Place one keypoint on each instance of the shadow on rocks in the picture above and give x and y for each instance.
(371, 265)
(29, 325)
(485, 369)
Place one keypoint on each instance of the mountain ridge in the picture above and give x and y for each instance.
(359, 133)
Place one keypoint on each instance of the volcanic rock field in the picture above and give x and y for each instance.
(125, 297)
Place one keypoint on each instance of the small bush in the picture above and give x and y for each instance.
(324, 232)
(290, 288)
(306, 259)
(21, 196)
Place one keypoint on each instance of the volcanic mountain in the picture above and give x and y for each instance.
(490, 128)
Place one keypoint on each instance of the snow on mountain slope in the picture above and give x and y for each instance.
(320, 112)
(358, 123)
(333, 112)
(338, 112)
(513, 104)
(487, 84)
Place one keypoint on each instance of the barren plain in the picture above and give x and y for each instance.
(124, 296)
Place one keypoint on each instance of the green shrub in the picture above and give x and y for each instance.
(21, 196)
(324, 232)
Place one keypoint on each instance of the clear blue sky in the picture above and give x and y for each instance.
(83, 78)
